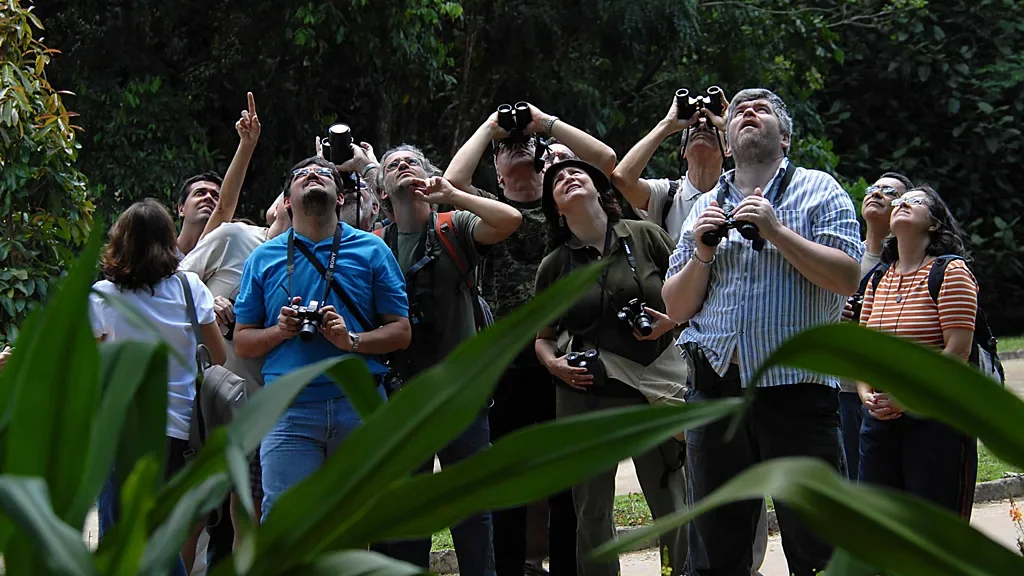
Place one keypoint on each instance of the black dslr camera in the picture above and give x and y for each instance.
(637, 318)
(310, 318)
(687, 106)
(337, 146)
(591, 360)
(746, 229)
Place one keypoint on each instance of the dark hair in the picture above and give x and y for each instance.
(908, 185)
(558, 231)
(142, 247)
(204, 177)
(947, 238)
(335, 175)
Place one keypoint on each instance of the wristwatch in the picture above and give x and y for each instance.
(355, 341)
(366, 169)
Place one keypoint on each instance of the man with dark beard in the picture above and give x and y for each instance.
(744, 295)
(364, 312)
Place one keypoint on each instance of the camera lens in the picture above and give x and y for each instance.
(642, 324)
(340, 138)
(307, 331)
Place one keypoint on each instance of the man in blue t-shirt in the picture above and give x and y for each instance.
(266, 323)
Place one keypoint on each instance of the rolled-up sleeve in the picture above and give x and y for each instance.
(687, 243)
(834, 221)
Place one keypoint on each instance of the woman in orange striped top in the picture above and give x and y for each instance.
(921, 456)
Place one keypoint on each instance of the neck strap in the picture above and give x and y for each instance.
(328, 274)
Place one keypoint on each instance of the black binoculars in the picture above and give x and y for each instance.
(337, 146)
(746, 229)
(515, 119)
(591, 360)
(687, 106)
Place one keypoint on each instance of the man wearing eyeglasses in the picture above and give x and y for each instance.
(363, 312)
(876, 208)
(525, 394)
(667, 202)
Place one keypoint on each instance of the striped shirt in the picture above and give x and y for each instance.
(758, 300)
(901, 304)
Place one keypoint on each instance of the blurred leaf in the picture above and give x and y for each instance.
(166, 542)
(892, 530)
(361, 387)
(120, 551)
(358, 563)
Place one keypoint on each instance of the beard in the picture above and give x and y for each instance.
(756, 148)
(315, 202)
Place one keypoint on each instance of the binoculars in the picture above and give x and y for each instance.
(687, 106)
(746, 229)
(591, 360)
(337, 147)
(515, 119)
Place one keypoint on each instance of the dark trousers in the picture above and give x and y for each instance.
(851, 414)
(783, 421)
(472, 536)
(923, 457)
(526, 396)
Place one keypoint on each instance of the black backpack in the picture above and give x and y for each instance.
(983, 346)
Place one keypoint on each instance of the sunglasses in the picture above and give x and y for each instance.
(319, 170)
(393, 165)
(887, 191)
(911, 201)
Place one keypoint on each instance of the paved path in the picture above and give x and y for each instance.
(993, 519)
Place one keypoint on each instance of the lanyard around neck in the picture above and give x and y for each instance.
(328, 274)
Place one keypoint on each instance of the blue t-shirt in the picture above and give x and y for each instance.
(368, 273)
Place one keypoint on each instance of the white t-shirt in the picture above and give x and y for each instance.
(166, 311)
(686, 196)
(218, 260)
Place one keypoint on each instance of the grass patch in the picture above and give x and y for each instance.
(1011, 343)
(990, 467)
(631, 510)
(441, 541)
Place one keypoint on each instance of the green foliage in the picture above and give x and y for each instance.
(45, 210)
(891, 530)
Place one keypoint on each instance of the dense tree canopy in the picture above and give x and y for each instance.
(931, 89)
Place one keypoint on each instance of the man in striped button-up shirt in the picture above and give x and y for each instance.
(741, 305)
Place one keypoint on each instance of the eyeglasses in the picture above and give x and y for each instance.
(887, 191)
(911, 201)
(319, 170)
(393, 165)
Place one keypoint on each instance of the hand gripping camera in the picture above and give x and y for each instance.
(309, 318)
(337, 147)
(591, 360)
(636, 317)
(687, 106)
(746, 229)
(857, 304)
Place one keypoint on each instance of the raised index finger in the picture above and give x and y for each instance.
(252, 104)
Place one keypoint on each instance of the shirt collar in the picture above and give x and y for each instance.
(729, 177)
(689, 190)
(620, 229)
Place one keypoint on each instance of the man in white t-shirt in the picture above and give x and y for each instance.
(667, 202)
(876, 208)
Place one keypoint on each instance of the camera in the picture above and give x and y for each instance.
(746, 229)
(309, 318)
(856, 302)
(591, 360)
(337, 146)
(637, 318)
(687, 106)
(514, 119)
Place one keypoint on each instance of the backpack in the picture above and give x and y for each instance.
(983, 346)
(446, 235)
(220, 393)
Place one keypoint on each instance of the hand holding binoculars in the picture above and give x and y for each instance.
(714, 101)
(514, 119)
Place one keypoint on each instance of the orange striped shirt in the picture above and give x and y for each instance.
(902, 305)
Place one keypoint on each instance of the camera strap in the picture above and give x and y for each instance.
(787, 177)
(327, 273)
(631, 260)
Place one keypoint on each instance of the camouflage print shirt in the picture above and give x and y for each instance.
(510, 269)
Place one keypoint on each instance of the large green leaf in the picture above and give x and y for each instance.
(924, 381)
(48, 434)
(245, 432)
(431, 410)
(360, 386)
(527, 465)
(167, 540)
(894, 531)
(357, 563)
(52, 543)
(120, 551)
(127, 368)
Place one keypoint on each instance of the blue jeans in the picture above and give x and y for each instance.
(301, 441)
(472, 537)
(851, 414)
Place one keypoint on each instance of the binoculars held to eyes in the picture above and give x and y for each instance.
(515, 119)
(746, 229)
(687, 106)
(337, 147)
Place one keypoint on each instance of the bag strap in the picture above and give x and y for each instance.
(876, 274)
(938, 274)
(870, 277)
(673, 187)
(445, 229)
(196, 422)
(337, 288)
